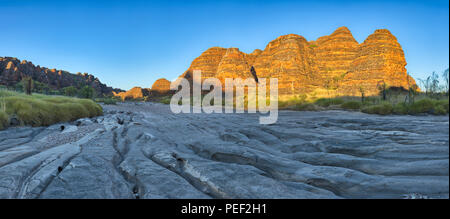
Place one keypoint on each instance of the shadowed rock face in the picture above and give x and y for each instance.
(145, 151)
(335, 62)
(12, 70)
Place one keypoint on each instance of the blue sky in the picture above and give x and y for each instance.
(133, 43)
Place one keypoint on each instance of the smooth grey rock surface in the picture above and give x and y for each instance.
(144, 151)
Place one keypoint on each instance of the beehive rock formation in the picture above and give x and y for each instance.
(336, 62)
(334, 55)
(233, 64)
(12, 70)
(290, 59)
(208, 62)
(161, 86)
(379, 59)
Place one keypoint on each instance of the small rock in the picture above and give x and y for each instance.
(13, 121)
(84, 122)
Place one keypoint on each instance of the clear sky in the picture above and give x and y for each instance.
(133, 43)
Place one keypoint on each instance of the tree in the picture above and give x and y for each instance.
(70, 91)
(412, 93)
(412, 89)
(434, 83)
(426, 84)
(445, 76)
(363, 93)
(430, 84)
(87, 92)
(382, 87)
(27, 83)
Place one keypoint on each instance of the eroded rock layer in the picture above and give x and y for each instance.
(379, 59)
(161, 85)
(336, 62)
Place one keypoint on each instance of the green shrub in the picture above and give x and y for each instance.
(443, 104)
(382, 109)
(165, 100)
(422, 106)
(292, 102)
(440, 110)
(324, 102)
(305, 107)
(70, 91)
(400, 109)
(352, 105)
(87, 92)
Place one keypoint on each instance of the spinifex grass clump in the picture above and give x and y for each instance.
(351, 105)
(381, 109)
(42, 110)
(326, 102)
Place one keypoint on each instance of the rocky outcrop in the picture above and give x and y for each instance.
(336, 62)
(133, 93)
(208, 63)
(334, 55)
(161, 86)
(380, 59)
(12, 70)
(290, 59)
(233, 65)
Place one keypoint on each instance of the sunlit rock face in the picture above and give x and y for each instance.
(12, 70)
(334, 55)
(234, 64)
(208, 63)
(335, 62)
(134, 93)
(290, 59)
(380, 59)
(161, 85)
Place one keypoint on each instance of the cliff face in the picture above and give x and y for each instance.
(234, 64)
(290, 59)
(334, 55)
(336, 62)
(208, 62)
(12, 70)
(380, 59)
